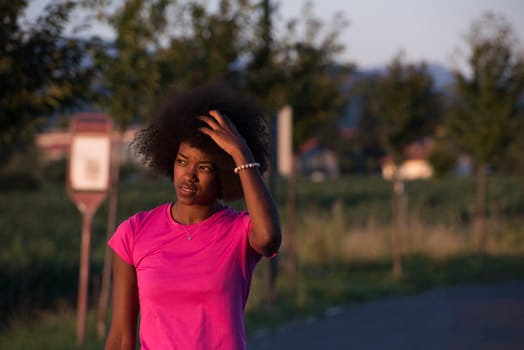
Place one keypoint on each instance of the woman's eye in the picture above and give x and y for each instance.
(180, 162)
(207, 168)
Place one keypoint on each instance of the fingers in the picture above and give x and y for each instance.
(216, 125)
(212, 123)
(223, 131)
(221, 119)
(218, 121)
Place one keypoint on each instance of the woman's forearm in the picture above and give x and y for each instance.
(266, 235)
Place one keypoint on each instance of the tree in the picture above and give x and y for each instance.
(207, 45)
(366, 140)
(297, 69)
(41, 71)
(403, 107)
(300, 69)
(487, 112)
(130, 79)
(162, 44)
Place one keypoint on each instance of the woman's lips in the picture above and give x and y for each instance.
(187, 188)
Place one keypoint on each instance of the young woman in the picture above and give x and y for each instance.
(184, 268)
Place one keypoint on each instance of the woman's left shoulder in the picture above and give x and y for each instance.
(230, 215)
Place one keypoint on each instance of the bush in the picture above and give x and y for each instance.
(21, 172)
(55, 171)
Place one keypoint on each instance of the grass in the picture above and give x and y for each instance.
(342, 235)
(51, 331)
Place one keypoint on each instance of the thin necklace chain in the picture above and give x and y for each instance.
(189, 237)
(184, 226)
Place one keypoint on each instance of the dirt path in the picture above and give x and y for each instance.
(468, 317)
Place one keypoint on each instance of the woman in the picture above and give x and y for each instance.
(186, 266)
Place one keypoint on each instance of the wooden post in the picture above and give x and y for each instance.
(480, 211)
(398, 218)
(105, 288)
(291, 207)
(271, 179)
(83, 278)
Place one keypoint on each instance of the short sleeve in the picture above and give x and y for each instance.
(256, 256)
(122, 242)
(252, 257)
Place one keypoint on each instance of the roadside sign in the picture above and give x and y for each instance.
(88, 182)
(89, 167)
(90, 158)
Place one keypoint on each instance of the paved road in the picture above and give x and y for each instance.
(472, 317)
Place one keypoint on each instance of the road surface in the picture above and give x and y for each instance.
(467, 317)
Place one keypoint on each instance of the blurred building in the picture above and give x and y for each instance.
(317, 162)
(411, 169)
(416, 166)
(54, 144)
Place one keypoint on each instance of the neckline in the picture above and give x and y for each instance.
(201, 222)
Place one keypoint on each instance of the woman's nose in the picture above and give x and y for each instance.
(190, 172)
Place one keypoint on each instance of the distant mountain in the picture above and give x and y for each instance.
(442, 76)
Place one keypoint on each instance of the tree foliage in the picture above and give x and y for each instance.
(161, 45)
(129, 80)
(299, 68)
(487, 110)
(41, 71)
(313, 77)
(400, 107)
(204, 45)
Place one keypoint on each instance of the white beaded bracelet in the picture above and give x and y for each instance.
(246, 166)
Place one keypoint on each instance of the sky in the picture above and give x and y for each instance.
(429, 30)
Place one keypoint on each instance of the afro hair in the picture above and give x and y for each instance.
(177, 120)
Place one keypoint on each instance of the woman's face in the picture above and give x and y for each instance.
(195, 176)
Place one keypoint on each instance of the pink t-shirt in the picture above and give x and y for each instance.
(192, 293)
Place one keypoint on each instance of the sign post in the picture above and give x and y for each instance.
(88, 183)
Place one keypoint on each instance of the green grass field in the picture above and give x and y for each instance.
(343, 244)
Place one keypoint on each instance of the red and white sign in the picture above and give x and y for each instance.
(89, 160)
(88, 181)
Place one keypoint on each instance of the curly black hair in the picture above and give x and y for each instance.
(177, 120)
